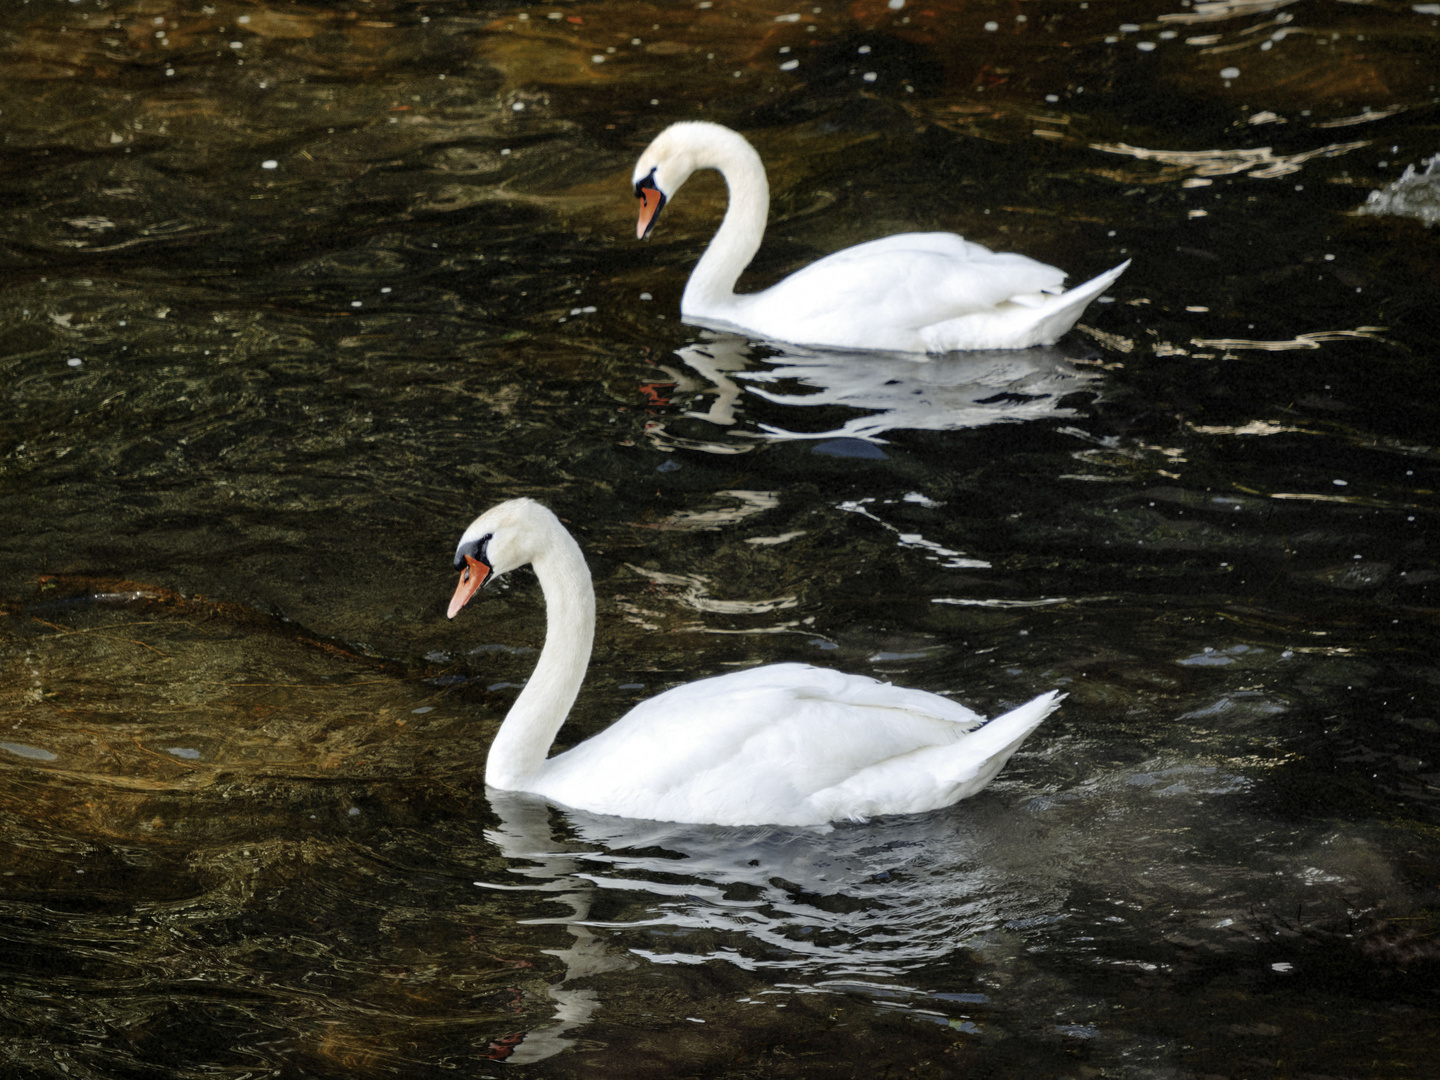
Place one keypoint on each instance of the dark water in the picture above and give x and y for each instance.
(292, 292)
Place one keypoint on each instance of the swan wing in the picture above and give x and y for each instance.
(756, 746)
(1037, 320)
(952, 247)
(934, 776)
(902, 282)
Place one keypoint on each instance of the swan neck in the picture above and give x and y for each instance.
(712, 283)
(517, 756)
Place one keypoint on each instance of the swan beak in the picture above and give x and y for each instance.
(471, 578)
(651, 200)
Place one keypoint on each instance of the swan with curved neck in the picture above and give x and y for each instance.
(912, 292)
(784, 744)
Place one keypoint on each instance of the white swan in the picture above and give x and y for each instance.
(786, 744)
(913, 292)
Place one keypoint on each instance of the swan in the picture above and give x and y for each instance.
(913, 292)
(785, 744)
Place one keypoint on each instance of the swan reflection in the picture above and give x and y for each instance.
(894, 391)
(853, 904)
(848, 906)
(1174, 851)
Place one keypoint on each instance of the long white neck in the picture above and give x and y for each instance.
(712, 284)
(517, 755)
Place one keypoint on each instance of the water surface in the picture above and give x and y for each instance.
(292, 292)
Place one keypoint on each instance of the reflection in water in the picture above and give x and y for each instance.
(1140, 854)
(1260, 162)
(870, 901)
(716, 357)
(896, 391)
(1311, 340)
(524, 834)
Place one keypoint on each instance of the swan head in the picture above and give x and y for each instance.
(677, 152)
(662, 168)
(502, 539)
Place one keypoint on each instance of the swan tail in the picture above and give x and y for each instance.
(1059, 313)
(1025, 321)
(936, 776)
(987, 748)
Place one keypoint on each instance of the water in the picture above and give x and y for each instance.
(1413, 195)
(276, 326)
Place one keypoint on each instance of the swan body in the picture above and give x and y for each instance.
(912, 292)
(784, 744)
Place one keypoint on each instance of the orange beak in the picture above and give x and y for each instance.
(471, 578)
(650, 202)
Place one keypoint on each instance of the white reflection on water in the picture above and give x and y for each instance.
(895, 391)
(869, 901)
(954, 560)
(1311, 340)
(1219, 10)
(1260, 162)
(1141, 867)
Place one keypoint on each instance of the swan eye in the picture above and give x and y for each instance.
(473, 552)
(647, 184)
